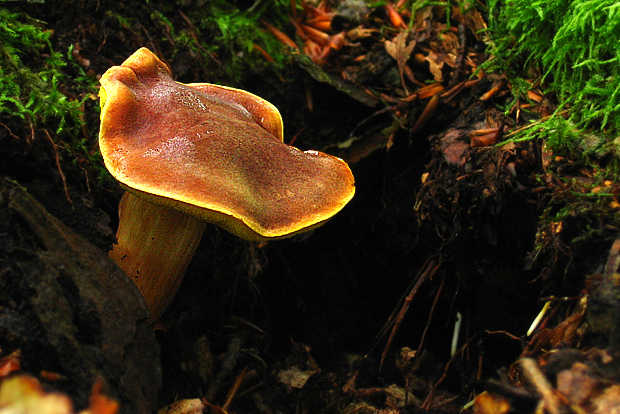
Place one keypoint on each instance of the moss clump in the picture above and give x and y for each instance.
(571, 45)
(30, 82)
(570, 49)
(43, 95)
(239, 30)
(224, 31)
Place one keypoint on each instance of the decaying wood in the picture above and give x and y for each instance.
(62, 296)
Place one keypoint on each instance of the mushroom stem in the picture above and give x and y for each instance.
(155, 247)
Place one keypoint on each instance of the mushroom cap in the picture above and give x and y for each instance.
(213, 152)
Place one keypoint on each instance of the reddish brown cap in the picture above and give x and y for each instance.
(213, 152)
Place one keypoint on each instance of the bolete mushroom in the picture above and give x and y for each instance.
(188, 154)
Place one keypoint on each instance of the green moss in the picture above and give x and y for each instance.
(570, 48)
(570, 45)
(225, 32)
(239, 30)
(30, 86)
(35, 88)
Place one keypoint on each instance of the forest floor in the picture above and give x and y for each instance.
(417, 296)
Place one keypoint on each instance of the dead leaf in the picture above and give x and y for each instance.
(454, 148)
(100, 403)
(10, 363)
(193, 406)
(435, 65)
(400, 50)
(476, 24)
(397, 397)
(491, 404)
(23, 394)
(294, 377)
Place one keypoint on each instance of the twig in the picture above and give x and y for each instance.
(62, 175)
(234, 390)
(430, 316)
(429, 270)
(9, 129)
(431, 394)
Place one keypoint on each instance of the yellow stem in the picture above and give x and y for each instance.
(155, 246)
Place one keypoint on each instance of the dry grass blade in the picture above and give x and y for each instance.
(429, 270)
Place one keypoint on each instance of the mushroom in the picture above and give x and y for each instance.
(188, 154)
